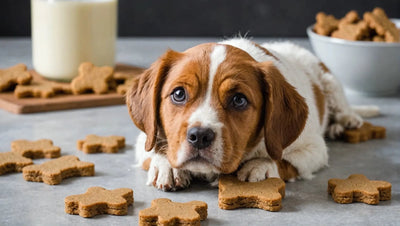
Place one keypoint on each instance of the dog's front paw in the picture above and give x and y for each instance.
(162, 176)
(258, 170)
(349, 120)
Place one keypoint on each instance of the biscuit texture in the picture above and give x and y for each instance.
(374, 26)
(366, 132)
(123, 88)
(98, 200)
(165, 212)
(379, 21)
(351, 31)
(326, 24)
(43, 148)
(14, 75)
(13, 162)
(92, 78)
(266, 194)
(107, 144)
(54, 171)
(42, 88)
(358, 188)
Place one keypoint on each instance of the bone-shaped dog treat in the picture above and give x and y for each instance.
(54, 171)
(165, 212)
(98, 200)
(108, 144)
(358, 188)
(42, 88)
(92, 78)
(11, 76)
(43, 148)
(366, 132)
(266, 194)
(13, 162)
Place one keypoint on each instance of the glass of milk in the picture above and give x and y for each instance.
(66, 33)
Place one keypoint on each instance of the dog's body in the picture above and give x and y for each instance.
(237, 106)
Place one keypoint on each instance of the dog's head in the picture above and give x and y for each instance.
(207, 107)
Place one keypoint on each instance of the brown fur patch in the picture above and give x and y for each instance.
(320, 102)
(286, 111)
(146, 164)
(265, 51)
(286, 170)
(324, 68)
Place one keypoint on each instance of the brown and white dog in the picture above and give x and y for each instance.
(217, 108)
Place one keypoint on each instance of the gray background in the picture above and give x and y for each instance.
(217, 18)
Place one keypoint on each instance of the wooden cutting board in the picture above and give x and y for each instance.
(15, 105)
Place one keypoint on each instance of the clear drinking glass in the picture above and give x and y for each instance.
(66, 33)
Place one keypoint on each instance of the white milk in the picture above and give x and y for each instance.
(66, 33)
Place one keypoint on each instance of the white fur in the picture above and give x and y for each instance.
(367, 111)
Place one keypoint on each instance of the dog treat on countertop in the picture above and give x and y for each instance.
(13, 162)
(266, 194)
(92, 78)
(43, 148)
(165, 212)
(42, 88)
(54, 171)
(107, 144)
(358, 188)
(366, 132)
(379, 21)
(98, 200)
(14, 75)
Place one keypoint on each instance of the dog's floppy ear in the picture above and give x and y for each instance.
(285, 111)
(143, 98)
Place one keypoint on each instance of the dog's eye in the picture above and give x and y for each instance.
(239, 101)
(178, 96)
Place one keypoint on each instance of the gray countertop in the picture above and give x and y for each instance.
(306, 202)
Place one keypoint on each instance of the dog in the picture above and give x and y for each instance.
(236, 106)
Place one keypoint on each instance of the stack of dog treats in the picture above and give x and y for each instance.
(375, 26)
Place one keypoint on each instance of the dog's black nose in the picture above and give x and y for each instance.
(200, 137)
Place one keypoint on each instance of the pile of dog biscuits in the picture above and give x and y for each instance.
(375, 26)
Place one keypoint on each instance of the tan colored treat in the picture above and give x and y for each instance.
(350, 18)
(366, 132)
(266, 194)
(122, 89)
(107, 144)
(11, 76)
(165, 212)
(358, 188)
(54, 171)
(92, 78)
(325, 24)
(351, 32)
(379, 21)
(12, 162)
(42, 88)
(43, 148)
(378, 38)
(98, 200)
(123, 73)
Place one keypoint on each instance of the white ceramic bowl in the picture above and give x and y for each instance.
(368, 68)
